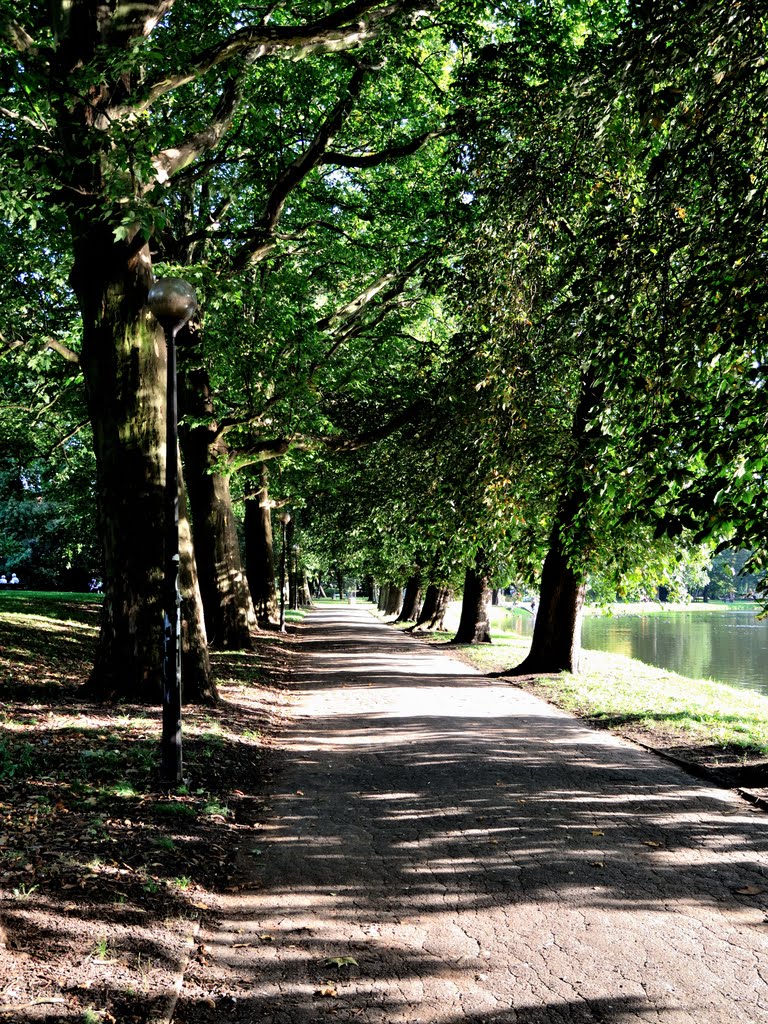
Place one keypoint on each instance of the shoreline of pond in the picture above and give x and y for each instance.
(618, 608)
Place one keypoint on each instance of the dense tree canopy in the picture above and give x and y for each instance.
(478, 284)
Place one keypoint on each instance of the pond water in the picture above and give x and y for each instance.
(727, 644)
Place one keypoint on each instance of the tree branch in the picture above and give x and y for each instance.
(296, 172)
(8, 345)
(390, 153)
(264, 450)
(67, 437)
(390, 283)
(344, 29)
(170, 161)
(63, 350)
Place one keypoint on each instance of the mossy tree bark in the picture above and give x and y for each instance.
(124, 365)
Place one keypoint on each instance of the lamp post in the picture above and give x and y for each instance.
(173, 302)
(285, 518)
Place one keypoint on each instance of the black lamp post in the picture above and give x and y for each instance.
(285, 518)
(173, 302)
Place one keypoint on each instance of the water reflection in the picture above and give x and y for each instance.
(729, 645)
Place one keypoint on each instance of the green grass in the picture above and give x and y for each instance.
(62, 605)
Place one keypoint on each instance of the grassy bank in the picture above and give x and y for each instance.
(657, 608)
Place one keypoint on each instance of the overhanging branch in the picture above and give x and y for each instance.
(169, 161)
(264, 233)
(363, 160)
(349, 27)
(263, 450)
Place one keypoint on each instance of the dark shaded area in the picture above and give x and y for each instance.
(90, 845)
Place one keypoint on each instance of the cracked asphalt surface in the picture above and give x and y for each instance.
(442, 847)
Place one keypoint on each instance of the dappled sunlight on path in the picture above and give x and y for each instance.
(442, 847)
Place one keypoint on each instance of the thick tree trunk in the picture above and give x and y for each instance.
(124, 365)
(260, 554)
(383, 597)
(474, 624)
(556, 643)
(432, 614)
(411, 599)
(394, 600)
(229, 614)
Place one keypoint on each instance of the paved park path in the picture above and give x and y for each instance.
(444, 848)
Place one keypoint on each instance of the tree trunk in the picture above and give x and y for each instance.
(260, 553)
(433, 610)
(383, 597)
(229, 614)
(194, 644)
(474, 624)
(124, 365)
(394, 600)
(437, 620)
(556, 643)
(411, 599)
(304, 593)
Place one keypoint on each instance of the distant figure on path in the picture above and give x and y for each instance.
(3, 581)
(14, 578)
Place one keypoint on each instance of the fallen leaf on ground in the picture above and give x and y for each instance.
(328, 990)
(341, 961)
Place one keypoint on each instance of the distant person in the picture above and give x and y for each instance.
(95, 586)
(3, 581)
(14, 578)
